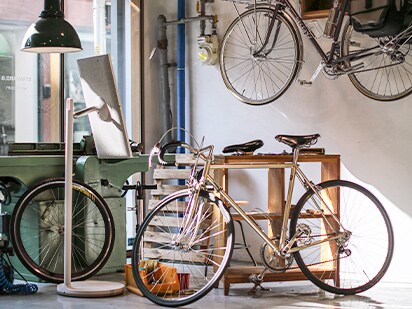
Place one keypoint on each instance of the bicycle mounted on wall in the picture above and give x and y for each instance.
(262, 50)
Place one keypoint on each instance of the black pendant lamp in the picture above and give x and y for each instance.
(51, 33)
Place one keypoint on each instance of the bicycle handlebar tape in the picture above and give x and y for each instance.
(164, 148)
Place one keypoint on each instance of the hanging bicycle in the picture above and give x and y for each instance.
(262, 50)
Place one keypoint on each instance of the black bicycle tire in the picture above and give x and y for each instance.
(296, 36)
(24, 257)
(358, 85)
(304, 268)
(230, 235)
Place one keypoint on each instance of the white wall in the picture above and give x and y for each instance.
(373, 138)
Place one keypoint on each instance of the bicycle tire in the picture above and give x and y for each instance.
(37, 231)
(363, 258)
(384, 80)
(157, 243)
(262, 78)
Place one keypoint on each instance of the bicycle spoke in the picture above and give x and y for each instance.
(384, 75)
(39, 231)
(198, 249)
(272, 65)
(354, 263)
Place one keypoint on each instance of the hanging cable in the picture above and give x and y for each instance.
(7, 287)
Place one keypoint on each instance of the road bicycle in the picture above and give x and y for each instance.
(35, 232)
(36, 227)
(338, 233)
(262, 50)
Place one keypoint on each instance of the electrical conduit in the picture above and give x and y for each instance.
(181, 56)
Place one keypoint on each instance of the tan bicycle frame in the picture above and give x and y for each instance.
(283, 248)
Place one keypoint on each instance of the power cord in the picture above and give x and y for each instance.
(6, 284)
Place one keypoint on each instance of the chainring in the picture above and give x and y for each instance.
(272, 261)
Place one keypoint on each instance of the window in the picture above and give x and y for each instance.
(30, 107)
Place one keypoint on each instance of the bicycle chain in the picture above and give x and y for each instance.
(367, 70)
(327, 261)
(312, 264)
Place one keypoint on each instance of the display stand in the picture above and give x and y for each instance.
(329, 169)
(89, 288)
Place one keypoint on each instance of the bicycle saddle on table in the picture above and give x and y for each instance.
(248, 147)
(298, 141)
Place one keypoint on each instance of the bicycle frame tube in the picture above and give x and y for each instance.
(286, 214)
(268, 33)
(283, 248)
(335, 43)
(309, 34)
(193, 211)
(224, 196)
(306, 31)
(310, 186)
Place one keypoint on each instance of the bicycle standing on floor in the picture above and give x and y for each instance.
(338, 233)
(262, 50)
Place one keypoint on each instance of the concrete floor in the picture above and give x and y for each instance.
(282, 295)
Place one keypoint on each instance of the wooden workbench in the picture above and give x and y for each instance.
(329, 168)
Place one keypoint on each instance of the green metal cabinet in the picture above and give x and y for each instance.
(105, 176)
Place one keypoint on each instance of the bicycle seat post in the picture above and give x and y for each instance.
(295, 154)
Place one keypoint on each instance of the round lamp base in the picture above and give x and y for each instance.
(91, 288)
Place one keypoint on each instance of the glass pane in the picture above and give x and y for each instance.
(80, 15)
(30, 108)
(19, 75)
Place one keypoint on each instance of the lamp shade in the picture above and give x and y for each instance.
(51, 33)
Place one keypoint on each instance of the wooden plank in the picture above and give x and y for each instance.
(154, 253)
(257, 216)
(330, 169)
(248, 270)
(163, 189)
(188, 159)
(164, 174)
(174, 222)
(277, 216)
(179, 206)
(165, 238)
(276, 200)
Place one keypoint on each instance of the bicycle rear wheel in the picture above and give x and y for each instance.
(385, 73)
(37, 227)
(342, 266)
(173, 265)
(254, 75)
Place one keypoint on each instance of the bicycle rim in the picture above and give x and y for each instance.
(175, 266)
(38, 231)
(259, 78)
(386, 74)
(343, 266)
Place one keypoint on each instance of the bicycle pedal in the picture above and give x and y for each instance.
(305, 83)
(252, 291)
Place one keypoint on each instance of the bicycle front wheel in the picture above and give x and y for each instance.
(354, 262)
(38, 231)
(384, 64)
(177, 260)
(256, 72)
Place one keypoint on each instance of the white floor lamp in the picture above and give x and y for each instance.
(88, 288)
